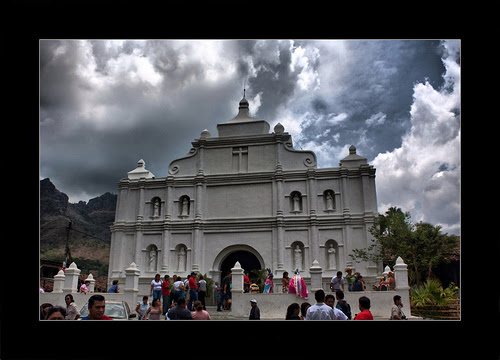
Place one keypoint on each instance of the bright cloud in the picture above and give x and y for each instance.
(423, 175)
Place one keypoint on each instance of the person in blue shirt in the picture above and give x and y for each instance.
(113, 288)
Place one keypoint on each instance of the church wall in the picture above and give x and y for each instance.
(121, 206)
(131, 209)
(294, 159)
(218, 161)
(261, 158)
(245, 200)
(358, 241)
(186, 165)
(355, 194)
(127, 250)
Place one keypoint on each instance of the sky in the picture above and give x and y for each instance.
(105, 104)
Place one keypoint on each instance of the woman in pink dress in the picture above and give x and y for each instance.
(297, 286)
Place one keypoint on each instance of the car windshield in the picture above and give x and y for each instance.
(113, 310)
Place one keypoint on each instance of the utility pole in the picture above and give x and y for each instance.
(68, 251)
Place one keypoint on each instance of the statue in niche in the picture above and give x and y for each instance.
(298, 257)
(152, 260)
(329, 201)
(296, 202)
(185, 207)
(332, 259)
(182, 259)
(156, 208)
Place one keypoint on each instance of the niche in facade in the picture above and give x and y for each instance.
(329, 200)
(155, 210)
(295, 202)
(184, 206)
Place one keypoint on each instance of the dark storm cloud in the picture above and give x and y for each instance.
(106, 104)
(378, 78)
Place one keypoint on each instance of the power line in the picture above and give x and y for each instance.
(81, 232)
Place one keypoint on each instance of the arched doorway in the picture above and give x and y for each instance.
(247, 256)
(247, 260)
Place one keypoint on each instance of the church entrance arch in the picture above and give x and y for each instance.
(247, 256)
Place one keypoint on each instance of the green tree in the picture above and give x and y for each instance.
(434, 247)
(422, 246)
(391, 238)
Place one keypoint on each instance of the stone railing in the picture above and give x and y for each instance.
(66, 282)
(274, 305)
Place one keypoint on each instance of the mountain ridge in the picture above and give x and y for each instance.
(91, 221)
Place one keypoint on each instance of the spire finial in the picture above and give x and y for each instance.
(244, 86)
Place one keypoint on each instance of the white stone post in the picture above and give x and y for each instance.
(401, 274)
(386, 272)
(132, 278)
(71, 281)
(316, 276)
(92, 283)
(59, 282)
(237, 278)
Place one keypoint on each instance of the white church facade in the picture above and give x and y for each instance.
(246, 195)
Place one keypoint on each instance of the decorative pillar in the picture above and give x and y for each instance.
(165, 243)
(237, 278)
(313, 235)
(385, 274)
(71, 281)
(401, 274)
(59, 282)
(279, 219)
(132, 278)
(316, 273)
(92, 283)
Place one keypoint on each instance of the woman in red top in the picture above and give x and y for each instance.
(165, 294)
(364, 306)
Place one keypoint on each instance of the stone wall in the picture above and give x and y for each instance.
(273, 306)
(65, 282)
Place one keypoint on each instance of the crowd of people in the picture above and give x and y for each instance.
(178, 299)
(325, 309)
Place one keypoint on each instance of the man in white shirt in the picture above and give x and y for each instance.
(320, 311)
(337, 282)
(338, 314)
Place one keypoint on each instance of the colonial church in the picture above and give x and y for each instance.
(245, 195)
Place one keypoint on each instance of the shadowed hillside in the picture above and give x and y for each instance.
(90, 238)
